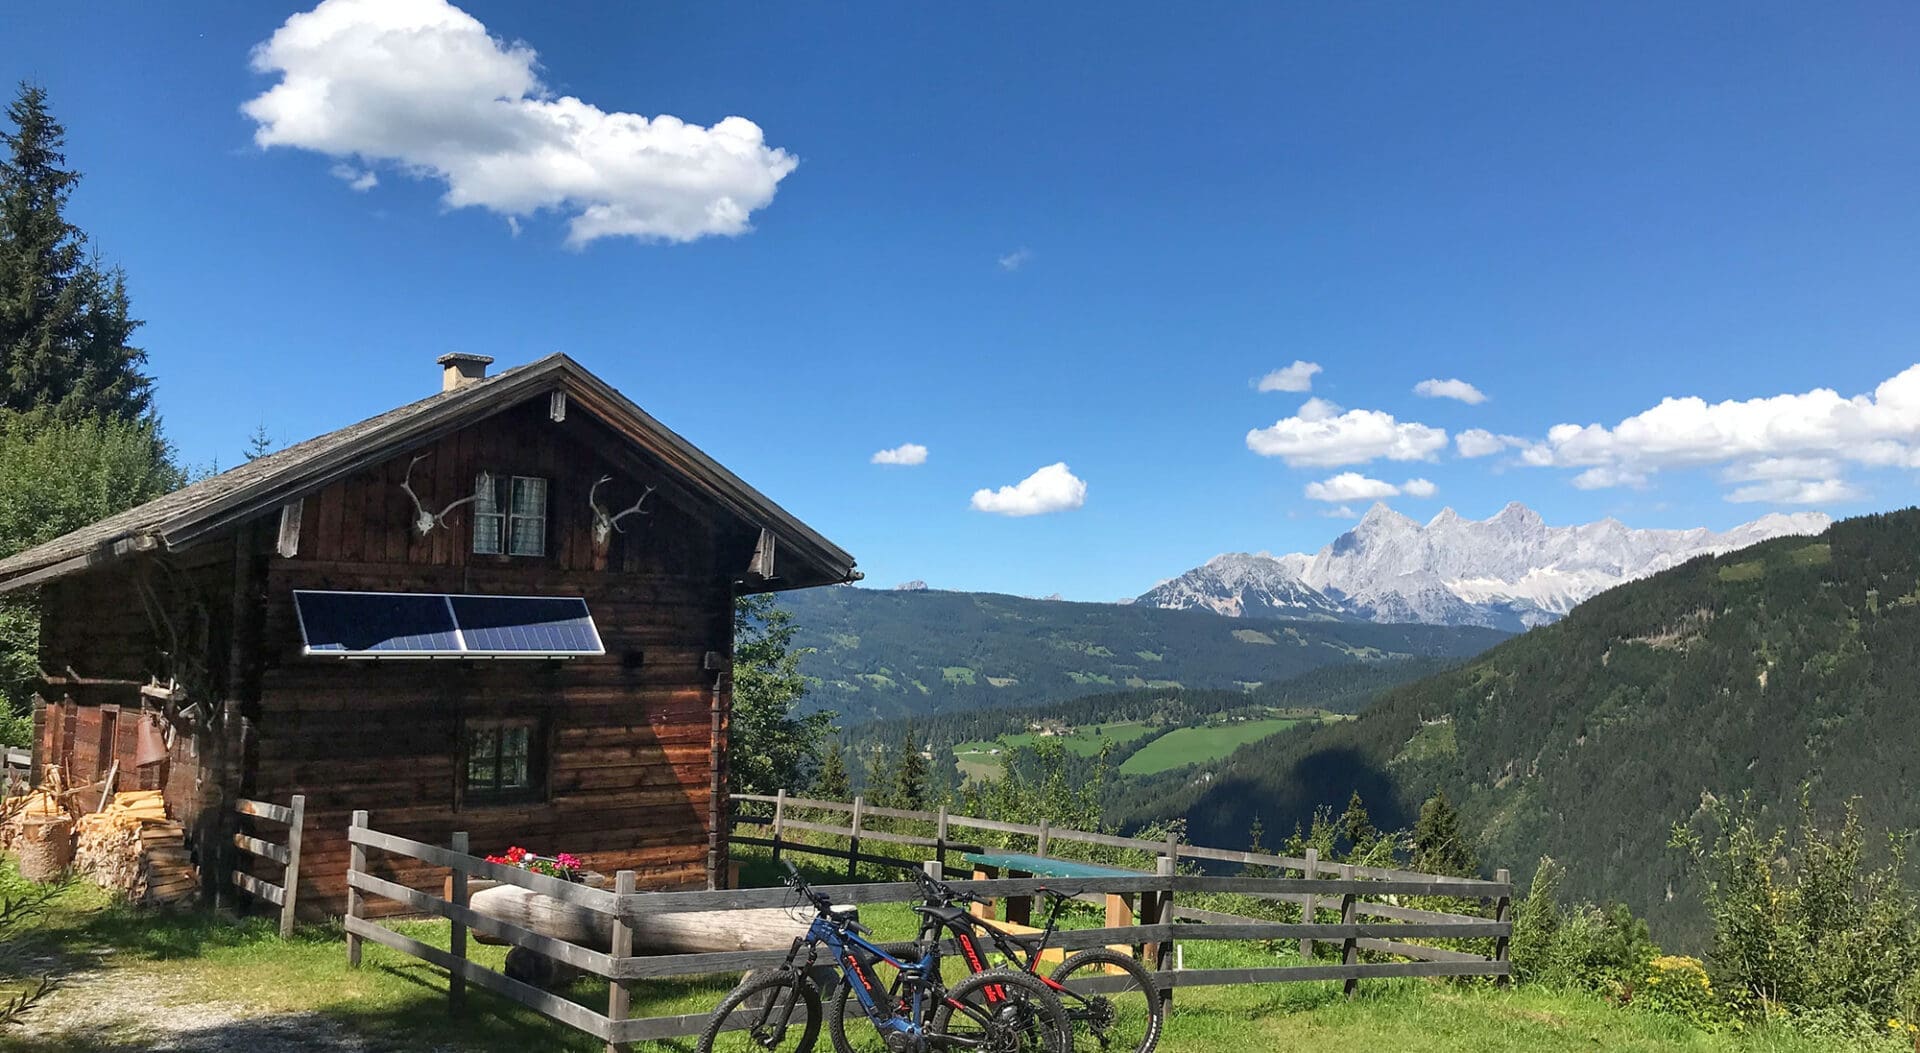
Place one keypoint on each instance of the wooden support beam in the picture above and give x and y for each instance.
(557, 407)
(1307, 906)
(1350, 949)
(288, 544)
(356, 905)
(761, 568)
(457, 934)
(1503, 913)
(619, 998)
(292, 879)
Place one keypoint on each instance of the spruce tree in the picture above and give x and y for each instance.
(259, 443)
(1358, 826)
(831, 783)
(65, 321)
(907, 788)
(1440, 844)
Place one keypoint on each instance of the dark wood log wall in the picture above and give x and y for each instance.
(628, 784)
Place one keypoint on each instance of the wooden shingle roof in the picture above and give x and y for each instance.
(175, 520)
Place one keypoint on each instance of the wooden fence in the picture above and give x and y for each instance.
(951, 834)
(623, 906)
(284, 895)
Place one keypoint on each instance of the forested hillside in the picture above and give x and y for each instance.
(883, 654)
(1796, 660)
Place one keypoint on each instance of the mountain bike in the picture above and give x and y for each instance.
(1108, 996)
(995, 1011)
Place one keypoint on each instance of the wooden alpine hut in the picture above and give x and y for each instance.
(506, 609)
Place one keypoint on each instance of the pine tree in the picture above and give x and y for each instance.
(1358, 826)
(831, 783)
(259, 444)
(1440, 843)
(907, 787)
(65, 321)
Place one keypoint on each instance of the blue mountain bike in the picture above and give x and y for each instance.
(996, 1011)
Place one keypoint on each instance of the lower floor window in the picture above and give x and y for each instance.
(503, 761)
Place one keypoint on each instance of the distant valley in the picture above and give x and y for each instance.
(881, 654)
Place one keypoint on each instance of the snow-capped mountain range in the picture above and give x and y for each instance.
(1511, 571)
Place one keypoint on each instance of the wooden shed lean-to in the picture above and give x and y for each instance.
(504, 609)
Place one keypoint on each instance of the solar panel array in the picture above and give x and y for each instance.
(439, 625)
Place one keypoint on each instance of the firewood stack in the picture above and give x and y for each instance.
(132, 846)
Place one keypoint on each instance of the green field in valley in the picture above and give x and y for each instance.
(1198, 745)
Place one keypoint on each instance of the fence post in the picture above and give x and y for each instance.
(1503, 912)
(1043, 840)
(940, 837)
(619, 999)
(1349, 916)
(356, 905)
(934, 869)
(291, 878)
(779, 819)
(1307, 907)
(853, 842)
(457, 936)
(1163, 953)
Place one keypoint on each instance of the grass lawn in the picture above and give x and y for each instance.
(1195, 745)
(186, 958)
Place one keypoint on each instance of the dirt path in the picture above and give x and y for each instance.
(121, 1011)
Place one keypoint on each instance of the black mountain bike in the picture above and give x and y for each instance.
(1109, 998)
(997, 1011)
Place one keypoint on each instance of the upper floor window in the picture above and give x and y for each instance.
(510, 515)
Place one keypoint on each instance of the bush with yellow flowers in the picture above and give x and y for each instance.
(1679, 986)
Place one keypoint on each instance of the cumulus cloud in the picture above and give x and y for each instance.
(1051, 489)
(421, 86)
(1321, 436)
(1795, 492)
(1479, 442)
(1342, 512)
(1296, 377)
(1352, 486)
(1606, 477)
(1450, 389)
(1782, 468)
(907, 453)
(1016, 259)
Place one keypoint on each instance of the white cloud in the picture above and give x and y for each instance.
(1352, 486)
(1606, 477)
(1781, 468)
(908, 453)
(1795, 492)
(1479, 442)
(1016, 259)
(1321, 436)
(422, 86)
(1342, 512)
(1051, 489)
(1880, 429)
(361, 179)
(1296, 377)
(1450, 389)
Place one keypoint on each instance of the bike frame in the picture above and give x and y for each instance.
(1027, 959)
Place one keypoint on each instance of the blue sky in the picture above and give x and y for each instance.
(1027, 235)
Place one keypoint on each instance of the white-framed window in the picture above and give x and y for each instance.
(510, 515)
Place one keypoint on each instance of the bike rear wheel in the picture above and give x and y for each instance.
(1125, 1012)
(779, 1011)
(1000, 1011)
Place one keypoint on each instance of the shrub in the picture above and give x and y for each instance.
(1605, 950)
(1679, 986)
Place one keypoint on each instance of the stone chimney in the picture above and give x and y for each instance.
(459, 369)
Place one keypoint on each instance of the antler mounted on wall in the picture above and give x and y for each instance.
(604, 522)
(423, 520)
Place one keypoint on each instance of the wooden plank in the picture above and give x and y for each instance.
(1310, 870)
(1502, 914)
(583, 958)
(264, 849)
(457, 932)
(276, 813)
(1292, 974)
(1350, 948)
(580, 895)
(287, 544)
(567, 1012)
(356, 864)
(259, 889)
(1390, 910)
(292, 875)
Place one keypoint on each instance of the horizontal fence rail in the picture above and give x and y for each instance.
(284, 895)
(1163, 925)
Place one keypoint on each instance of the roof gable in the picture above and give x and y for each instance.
(212, 505)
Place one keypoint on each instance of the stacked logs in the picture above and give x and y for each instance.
(131, 846)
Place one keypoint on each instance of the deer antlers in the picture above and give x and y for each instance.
(423, 520)
(605, 523)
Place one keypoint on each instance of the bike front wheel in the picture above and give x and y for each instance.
(1119, 1010)
(1000, 1011)
(779, 1011)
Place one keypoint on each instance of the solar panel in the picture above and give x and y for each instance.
(437, 625)
(387, 623)
(526, 625)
